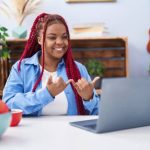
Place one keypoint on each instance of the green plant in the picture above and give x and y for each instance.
(4, 51)
(95, 67)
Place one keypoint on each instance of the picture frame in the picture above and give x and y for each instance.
(84, 1)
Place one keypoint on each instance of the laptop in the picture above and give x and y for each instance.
(124, 104)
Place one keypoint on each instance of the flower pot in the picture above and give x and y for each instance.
(19, 32)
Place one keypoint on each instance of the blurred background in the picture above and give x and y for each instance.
(127, 18)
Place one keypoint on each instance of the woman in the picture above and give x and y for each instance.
(46, 80)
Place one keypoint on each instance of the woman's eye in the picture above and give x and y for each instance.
(51, 37)
(65, 37)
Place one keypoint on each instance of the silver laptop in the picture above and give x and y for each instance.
(124, 104)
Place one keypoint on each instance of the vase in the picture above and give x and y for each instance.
(19, 32)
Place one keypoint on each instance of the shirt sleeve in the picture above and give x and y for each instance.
(15, 97)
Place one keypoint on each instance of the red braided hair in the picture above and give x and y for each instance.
(32, 46)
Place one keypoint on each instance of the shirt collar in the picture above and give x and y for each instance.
(34, 59)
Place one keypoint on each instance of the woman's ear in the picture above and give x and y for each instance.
(39, 40)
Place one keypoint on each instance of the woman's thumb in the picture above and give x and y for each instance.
(95, 80)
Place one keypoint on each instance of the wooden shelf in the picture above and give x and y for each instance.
(111, 51)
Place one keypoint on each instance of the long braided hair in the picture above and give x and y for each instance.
(41, 23)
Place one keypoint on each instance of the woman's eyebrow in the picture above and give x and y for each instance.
(56, 34)
(51, 34)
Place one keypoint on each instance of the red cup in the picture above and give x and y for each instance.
(15, 117)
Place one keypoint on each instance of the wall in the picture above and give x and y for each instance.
(123, 18)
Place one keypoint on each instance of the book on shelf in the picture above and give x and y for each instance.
(91, 30)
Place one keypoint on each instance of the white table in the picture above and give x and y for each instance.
(55, 133)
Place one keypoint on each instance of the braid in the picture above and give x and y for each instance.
(32, 45)
(43, 43)
(73, 73)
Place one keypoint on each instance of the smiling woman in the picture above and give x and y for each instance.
(46, 80)
(77, 1)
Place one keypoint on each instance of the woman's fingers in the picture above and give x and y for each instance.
(81, 83)
(76, 85)
(50, 80)
(57, 86)
(84, 88)
(69, 81)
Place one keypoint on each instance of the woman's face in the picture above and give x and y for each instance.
(56, 41)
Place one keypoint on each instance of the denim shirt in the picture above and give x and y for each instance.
(18, 93)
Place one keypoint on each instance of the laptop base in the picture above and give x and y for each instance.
(89, 125)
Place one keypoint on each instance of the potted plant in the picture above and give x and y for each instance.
(4, 55)
(4, 52)
(95, 68)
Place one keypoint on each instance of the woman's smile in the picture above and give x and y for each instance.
(59, 49)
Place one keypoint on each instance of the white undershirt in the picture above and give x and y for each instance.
(60, 105)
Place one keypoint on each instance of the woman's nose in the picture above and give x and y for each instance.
(59, 41)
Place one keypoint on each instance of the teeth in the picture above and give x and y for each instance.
(58, 49)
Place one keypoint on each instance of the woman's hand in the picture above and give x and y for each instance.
(57, 86)
(85, 88)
